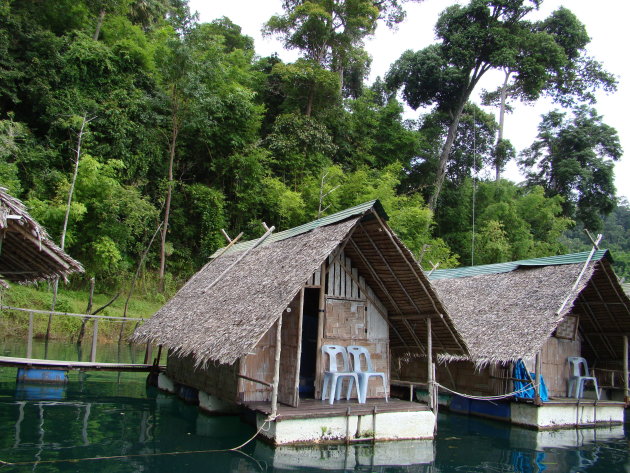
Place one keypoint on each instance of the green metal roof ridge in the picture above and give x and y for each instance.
(307, 227)
(485, 269)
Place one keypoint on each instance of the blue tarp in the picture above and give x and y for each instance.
(526, 388)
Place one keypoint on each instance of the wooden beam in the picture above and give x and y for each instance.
(537, 400)
(390, 269)
(625, 369)
(300, 316)
(376, 277)
(254, 380)
(321, 316)
(430, 379)
(372, 300)
(414, 268)
(276, 369)
(245, 253)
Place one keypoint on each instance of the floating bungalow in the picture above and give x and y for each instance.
(245, 333)
(27, 254)
(547, 312)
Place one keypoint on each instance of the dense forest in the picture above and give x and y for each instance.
(158, 131)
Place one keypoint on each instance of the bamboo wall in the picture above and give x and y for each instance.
(217, 380)
(555, 368)
(259, 363)
(355, 316)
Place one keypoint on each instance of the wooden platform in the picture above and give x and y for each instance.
(75, 365)
(315, 421)
(312, 408)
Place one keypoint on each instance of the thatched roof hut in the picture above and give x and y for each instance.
(220, 321)
(508, 311)
(27, 253)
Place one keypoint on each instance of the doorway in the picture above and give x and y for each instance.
(309, 342)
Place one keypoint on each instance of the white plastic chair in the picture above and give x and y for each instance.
(333, 376)
(364, 375)
(577, 379)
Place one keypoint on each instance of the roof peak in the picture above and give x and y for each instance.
(345, 214)
(496, 268)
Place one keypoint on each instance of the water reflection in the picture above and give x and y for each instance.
(100, 415)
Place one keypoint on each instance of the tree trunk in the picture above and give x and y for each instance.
(169, 191)
(99, 23)
(67, 217)
(497, 159)
(446, 151)
(309, 101)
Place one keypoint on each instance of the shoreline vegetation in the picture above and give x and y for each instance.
(13, 324)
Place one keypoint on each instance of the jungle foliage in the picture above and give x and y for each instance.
(191, 130)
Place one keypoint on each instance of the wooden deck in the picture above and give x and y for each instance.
(315, 408)
(75, 365)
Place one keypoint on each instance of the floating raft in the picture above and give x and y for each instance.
(76, 365)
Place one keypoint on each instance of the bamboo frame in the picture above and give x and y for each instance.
(276, 370)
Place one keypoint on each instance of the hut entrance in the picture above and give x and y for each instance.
(309, 342)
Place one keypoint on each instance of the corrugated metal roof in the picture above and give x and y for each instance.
(307, 227)
(469, 271)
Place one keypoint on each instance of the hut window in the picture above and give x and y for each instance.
(567, 329)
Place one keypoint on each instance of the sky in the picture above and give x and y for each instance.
(605, 20)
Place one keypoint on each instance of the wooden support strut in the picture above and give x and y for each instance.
(258, 242)
(430, 379)
(625, 370)
(414, 268)
(276, 370)
(537, 399)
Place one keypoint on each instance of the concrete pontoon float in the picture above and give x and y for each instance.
(547, 312)
(245, 333)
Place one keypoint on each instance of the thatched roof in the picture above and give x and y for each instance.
(27, 253)
(223, 322)
(509, 310)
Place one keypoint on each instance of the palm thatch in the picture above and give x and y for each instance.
(507, 316)
(508, 311)
(221, 322)
(225, 322)
(27, 253)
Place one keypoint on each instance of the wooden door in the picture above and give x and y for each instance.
(288, 388)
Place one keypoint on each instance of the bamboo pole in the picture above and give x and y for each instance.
(94, 340)
(625, 368)
(430, 364)
(29, 341)
(298, 361)
(276, 370)
(148, 353)
(537, 400)
(258, 242)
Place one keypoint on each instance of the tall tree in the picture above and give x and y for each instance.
(574, 157)
(478, 37)
(569, 81)
(330, 33)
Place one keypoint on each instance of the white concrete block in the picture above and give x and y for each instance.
(165, 384)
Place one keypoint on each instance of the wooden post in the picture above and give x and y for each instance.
(276, 370)
(148, 353)
(321, 315)
(430, 363)
(94, 339)
(29, 341)
(625, 368)
(298, 362)
(537, 400)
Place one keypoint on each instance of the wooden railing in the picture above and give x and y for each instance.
(95, 318)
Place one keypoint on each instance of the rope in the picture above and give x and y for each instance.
(136, 455)
(488, 398)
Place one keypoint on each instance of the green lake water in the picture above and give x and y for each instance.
(110, 422)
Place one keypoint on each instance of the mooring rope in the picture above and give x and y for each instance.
(268, 420)
(489, 398)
